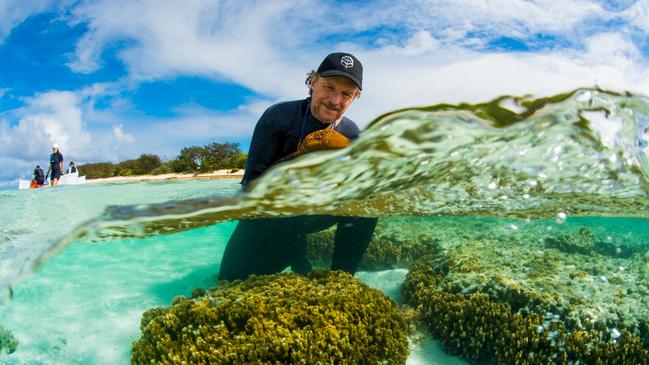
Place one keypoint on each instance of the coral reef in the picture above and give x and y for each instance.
(8, 342)
(585, 242)
(385, 251)
(582, 243)
(479, 329)
(328, 317)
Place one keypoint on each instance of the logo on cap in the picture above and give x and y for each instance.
(347, 61)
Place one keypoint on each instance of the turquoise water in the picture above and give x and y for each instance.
(84, 305)
(549, 197)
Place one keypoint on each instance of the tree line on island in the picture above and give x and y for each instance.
(196, 159)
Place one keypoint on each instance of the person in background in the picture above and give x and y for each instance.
(57, 165)
(72, 169)
(269, 245)
(38, 178)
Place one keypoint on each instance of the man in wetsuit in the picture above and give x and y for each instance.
(38, 177)
(269, 245)
(56, 165)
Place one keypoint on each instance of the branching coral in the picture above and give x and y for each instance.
(475, 327)
(327, 317)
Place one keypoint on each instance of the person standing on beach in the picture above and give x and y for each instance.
(57, 165)
(269, 245)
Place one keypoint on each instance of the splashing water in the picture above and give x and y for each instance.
(574, 154)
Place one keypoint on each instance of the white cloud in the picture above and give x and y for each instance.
(120, 135)
(394, 78)
(14, 12)
(268, 46)
(512, 17)
(214, 39)
(638, 14)
(47, 118)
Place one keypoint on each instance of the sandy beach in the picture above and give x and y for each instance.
(219, 174)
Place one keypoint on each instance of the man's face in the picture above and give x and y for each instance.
(331, 96)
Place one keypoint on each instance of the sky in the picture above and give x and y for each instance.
(109, 80)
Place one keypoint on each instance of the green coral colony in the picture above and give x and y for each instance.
(325, 318)
(567, 297)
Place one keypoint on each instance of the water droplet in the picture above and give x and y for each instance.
(615, 334)
(622, 268)
(603, 278)
(533, 183)
(513, 227)
(584, 97)
(618, 250)
(526, 196)
(609, 239)
(492, 186)
(425, 162)
(561, 217)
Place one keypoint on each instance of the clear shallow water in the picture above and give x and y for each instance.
(85, 305)
(510, 178)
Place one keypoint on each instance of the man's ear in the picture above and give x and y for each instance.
(314, 78)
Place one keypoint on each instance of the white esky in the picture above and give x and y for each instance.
(437, 55)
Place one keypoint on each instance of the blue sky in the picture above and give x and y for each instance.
(109, 80)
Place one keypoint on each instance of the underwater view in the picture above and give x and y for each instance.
(512, 231)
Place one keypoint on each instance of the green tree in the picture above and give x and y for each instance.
(97, 170)
(146, 163)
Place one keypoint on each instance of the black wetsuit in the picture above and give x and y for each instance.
(56, 159)
(278, 132)
(39, 176)
(269, 245)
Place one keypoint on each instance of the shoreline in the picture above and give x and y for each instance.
(219, 174)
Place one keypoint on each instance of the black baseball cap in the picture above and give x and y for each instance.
(342, 64)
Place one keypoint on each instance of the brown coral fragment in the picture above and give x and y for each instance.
(327, 317)
(324, 139)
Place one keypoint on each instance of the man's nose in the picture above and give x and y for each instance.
(335, 98)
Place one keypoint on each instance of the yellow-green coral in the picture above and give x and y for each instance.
(581, 242)
(383, 252)
(327, 317)
(8, 342)
(475, 327)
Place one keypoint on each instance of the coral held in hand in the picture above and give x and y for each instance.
(324, 139)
